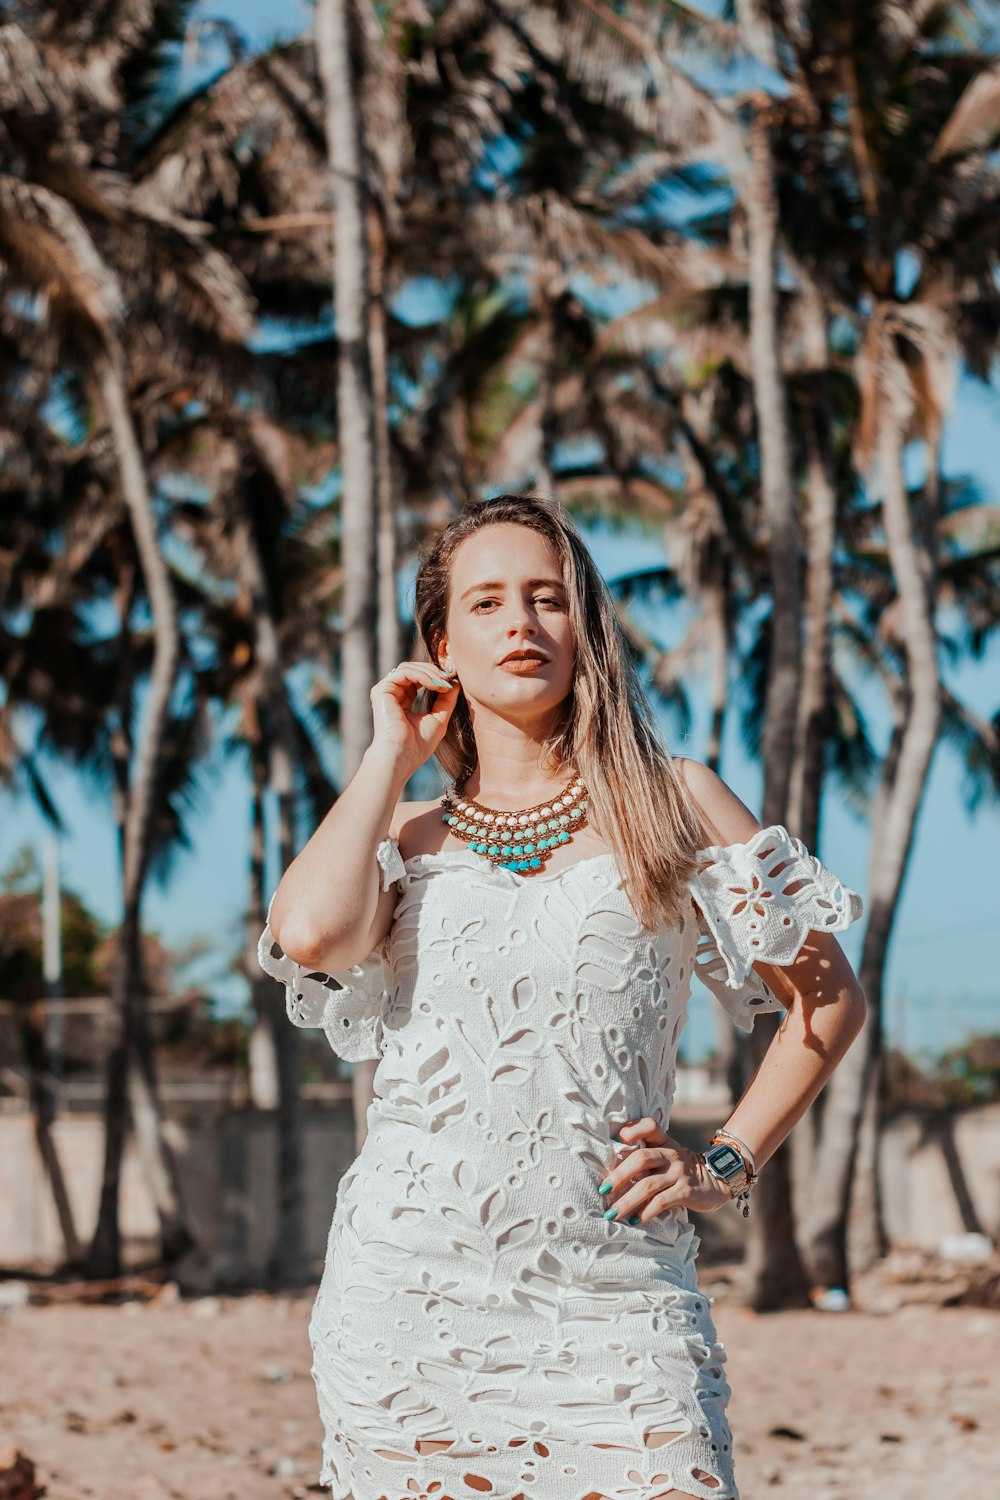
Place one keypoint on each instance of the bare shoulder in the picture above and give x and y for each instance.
(416, 826)
(725, 819)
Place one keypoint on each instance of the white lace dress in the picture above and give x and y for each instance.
(474, 1293)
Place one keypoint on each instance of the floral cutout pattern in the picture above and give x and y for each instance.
(761, 899)
(473, 1293)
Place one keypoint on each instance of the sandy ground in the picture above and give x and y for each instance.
(212, 1400)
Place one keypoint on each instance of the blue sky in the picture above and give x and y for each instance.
(941, 981)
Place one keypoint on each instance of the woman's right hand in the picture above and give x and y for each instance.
(411, 738)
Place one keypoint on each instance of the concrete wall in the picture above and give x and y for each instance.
(227, 1166)
(921, 1204)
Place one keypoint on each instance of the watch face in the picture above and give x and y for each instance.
(725, 1160)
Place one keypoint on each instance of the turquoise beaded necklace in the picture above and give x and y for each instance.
(519, 840)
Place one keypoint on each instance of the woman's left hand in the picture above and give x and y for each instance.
(676, 1177)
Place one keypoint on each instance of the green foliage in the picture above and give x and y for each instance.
(962, 1077)
(970, 1074)
(81, 936)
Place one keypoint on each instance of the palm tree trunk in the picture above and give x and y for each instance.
(289, 1262)
(102, 1262)
(943, 1127)
(806, 783)
(717, 643)
(867, 1241)
(777, 489)
(356, 405)
(775, 1274)
(807, 769)
(904, 780)
(262, 1063)
(131, 1067)
(706, 569)
(703, 568)
(390, 643)
(42, 1097)
(838, 1105)
(760, 203)
(544, 476)
(357, 414)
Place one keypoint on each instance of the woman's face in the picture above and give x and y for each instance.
(506, 593)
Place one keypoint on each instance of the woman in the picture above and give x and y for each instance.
(510, 1305)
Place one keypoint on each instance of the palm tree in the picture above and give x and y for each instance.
(73, 546)
(758, 195)
(245, 535)
(906, 123)
(76, 238)
(363, 425)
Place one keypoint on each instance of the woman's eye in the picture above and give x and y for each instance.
(556, 602)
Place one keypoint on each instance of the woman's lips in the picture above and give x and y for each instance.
(523, 664)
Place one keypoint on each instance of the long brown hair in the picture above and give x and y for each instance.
(638, 801)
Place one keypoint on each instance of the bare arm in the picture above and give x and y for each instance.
(826, 1009)
(826, 1006)
(330, 910)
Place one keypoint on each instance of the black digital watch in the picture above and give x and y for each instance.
(726, 1163)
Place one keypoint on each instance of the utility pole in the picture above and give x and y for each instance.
(52, 964)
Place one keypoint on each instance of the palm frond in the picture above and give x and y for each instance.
(974, 123)
(51, 251)
(977, 743)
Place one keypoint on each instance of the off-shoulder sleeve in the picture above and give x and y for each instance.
(349, 1005)
(757, 902)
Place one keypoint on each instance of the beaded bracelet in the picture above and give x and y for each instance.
(727, 1135)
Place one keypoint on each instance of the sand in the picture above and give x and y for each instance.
(212, 1400)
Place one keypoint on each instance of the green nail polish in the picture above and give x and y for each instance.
(617, 1138)
(610, 1213)
(605, 1187)
(634, 1219)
